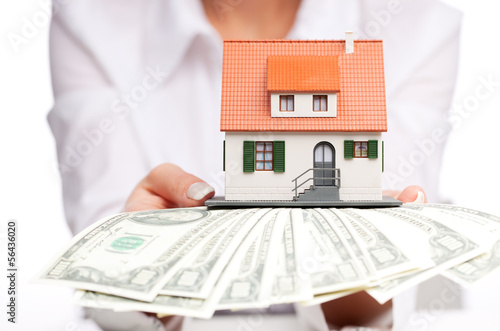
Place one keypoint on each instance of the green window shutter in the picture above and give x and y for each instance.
(224, 155)
(248, 156)
(348, 149)
(372, 149)
(383, 156)
(279, 156)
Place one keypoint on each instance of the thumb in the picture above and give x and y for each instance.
(412, 193)
(168, 186)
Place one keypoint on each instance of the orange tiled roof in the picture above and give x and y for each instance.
(303, 73)
(246, 104)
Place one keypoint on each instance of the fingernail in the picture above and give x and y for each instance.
(198, 191)
(420, 198)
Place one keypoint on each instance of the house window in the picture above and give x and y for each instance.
(264, 155)
(320, 103)
(361, 149)
(286, 103)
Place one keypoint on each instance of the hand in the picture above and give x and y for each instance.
(168, 186)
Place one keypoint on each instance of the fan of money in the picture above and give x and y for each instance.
(194, 261)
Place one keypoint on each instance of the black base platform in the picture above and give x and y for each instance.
(219, 202)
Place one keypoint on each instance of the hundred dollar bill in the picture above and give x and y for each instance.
(289, 285)
(162, 304)
(442, 243)
(250, 278)
(132, 254)
(347, 235)
(199, 272)
(381, 256)
(469, 273)
(329, 261)
(475, 270)
(242, 262)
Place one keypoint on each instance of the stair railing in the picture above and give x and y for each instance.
(335, 178)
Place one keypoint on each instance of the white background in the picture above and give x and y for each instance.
(30, 185)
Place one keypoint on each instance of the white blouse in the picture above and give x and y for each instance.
(138, 82)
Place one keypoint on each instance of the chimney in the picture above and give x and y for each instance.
(349, 42)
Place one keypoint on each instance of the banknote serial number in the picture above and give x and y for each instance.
(11, 270)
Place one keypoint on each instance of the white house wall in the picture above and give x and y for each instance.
(303, 105)
(361, 178)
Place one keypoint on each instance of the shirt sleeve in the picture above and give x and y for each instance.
(95, 138)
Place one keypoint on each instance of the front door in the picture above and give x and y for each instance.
(324, 157)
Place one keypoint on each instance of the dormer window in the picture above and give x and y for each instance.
(303, 104)
(286, 103)
(320, 103)
(303, 85)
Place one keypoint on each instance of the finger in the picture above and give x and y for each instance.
(411, 194)
(178, 187)
(143, 199)
(168, 186)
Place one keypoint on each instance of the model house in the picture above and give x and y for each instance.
(303, 119)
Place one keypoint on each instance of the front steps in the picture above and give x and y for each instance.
(320, 193)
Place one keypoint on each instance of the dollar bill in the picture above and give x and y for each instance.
(322, 298)
(329, 261)
(382, 258)
(442, 243)
(289, 284)
(473, 271)
(199, 273)
(162, 304)
(250, 278)
(133, 254)
(347, 235)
